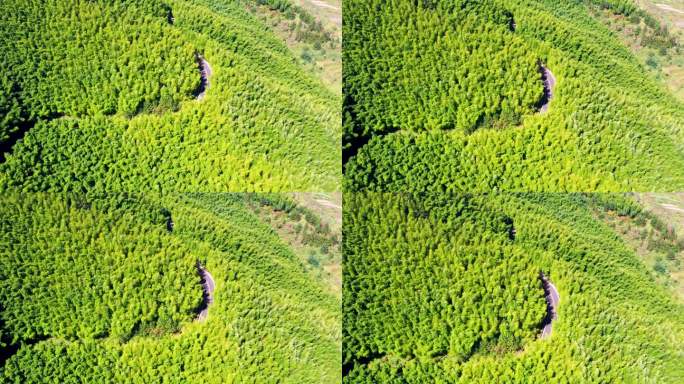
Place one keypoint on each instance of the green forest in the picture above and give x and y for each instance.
(104, 96)
(105, 288)
(449, 289)
(453, 96)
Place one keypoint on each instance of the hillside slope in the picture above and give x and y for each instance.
(107, 289)
(448, 96)
(457, 289)
(103, 95)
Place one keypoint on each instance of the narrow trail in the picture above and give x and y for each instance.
(669, 8)
(549, 81)
(328, 204)
(672, 207)
(323, 4)
(208, 286)
(205, 74)
(552, 300)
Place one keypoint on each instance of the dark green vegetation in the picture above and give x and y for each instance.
(447, 289)
(103, 289)
(445, 96)
(103, 94)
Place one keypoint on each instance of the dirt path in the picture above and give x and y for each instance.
(549, 84)
(552, 300)
(205, 74)
(666, 7)
(672, 207)
(208, 286)
(327, 203)
(323, 4)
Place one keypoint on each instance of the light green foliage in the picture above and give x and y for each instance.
(103, 263)
(75, 271)
(111, 85)
(609, 126)
(434, 65)
(419, 282)
(439, 288)
(94, 58)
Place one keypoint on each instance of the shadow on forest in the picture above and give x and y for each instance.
(168, 219)
(352, 146)
(169, 14)
(22, 128)
(346, 368)
(352, 143)
(11, 349)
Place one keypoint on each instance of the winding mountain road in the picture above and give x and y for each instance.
(205, 74)
(549, 84)
(552, 300)
(208, 286)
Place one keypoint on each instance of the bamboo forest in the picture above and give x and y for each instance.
(163, 96)
(190, 288)
(507, 95)
(342, 191)
(512, 288)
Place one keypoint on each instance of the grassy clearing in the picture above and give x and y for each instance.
(666, 65)
(312, 226)
(320, 56)
(656, 237)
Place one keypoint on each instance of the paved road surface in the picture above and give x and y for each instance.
(552, 300)
(208, 288)
(549, 84)
(205, 74)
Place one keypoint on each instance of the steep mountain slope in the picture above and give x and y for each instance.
(107, 289)
(102, 95)
(502, 288)
(655, 33)
(451, 96)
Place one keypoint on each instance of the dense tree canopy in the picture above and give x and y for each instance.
(447, 288)
(103, 93)
(73, 271)
(445, 96)
(103, 289)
